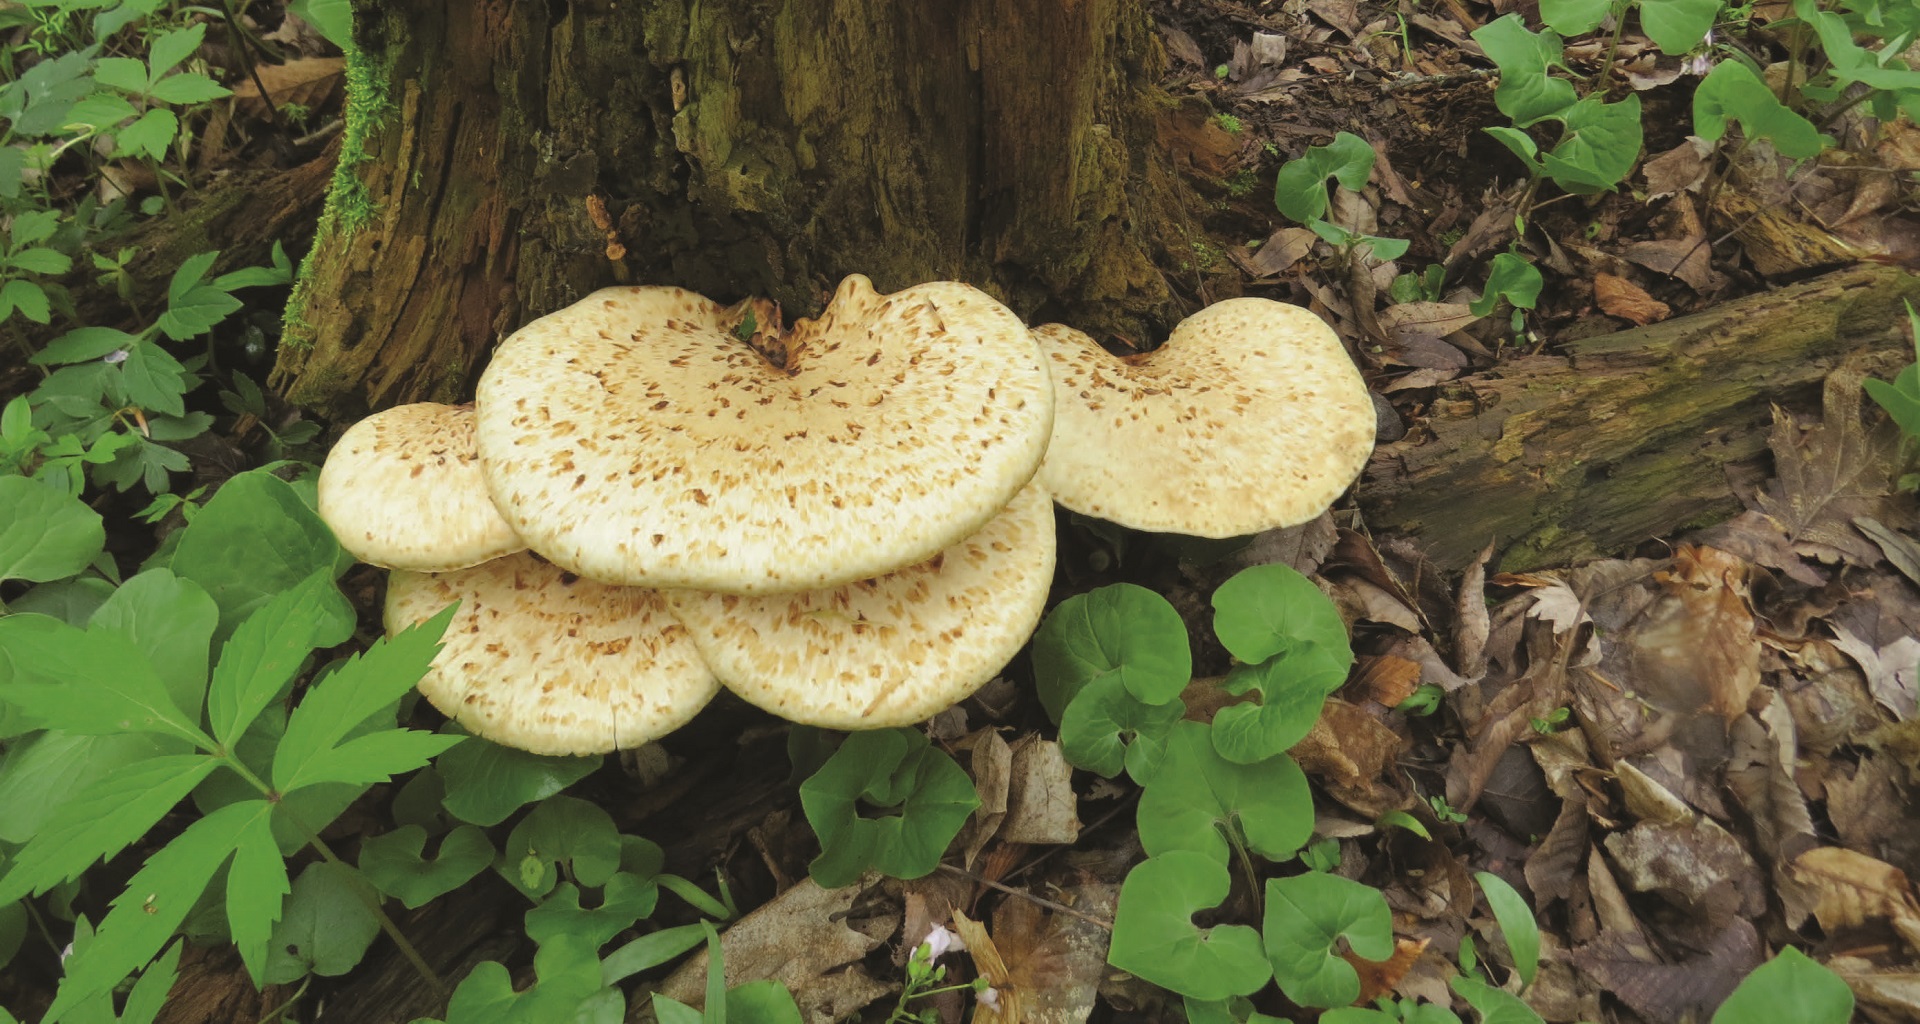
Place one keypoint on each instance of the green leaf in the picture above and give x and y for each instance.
(259, 660)
(188, 88)
(1197, 795)
(298, 814)
(1601, 145)
(257, 888)
(1676, 26)
(1789, 987)
(41, 261)
(1106, 729)
(42, 773)
(394, 863)
(156, 900)
(1300, 189)
(1731, 91)
(366, 684)
(107, 816)
(94, 682)
(561, 829)
(1512, 278)
(45, 534)
(1517, 925)
(124, 73)
(1290, 702)
(1271, 610)
(1574, 17)
(149, 994)
(1900, 403)
(101, 111)
(762, 1002)
(1124, 630)
(486, 781)
(196, 312)
(150, 136)
(29, 298)
(154, 379)
(188, 275)
(376, 757)
(170, 48)
(334, 19)
(1527, 93)
(83, 345)
(328, 926)
(1154, 937)
(1496, 1006)
(885, 768)
(1307, 917)
(254, 539)
(626, 899)
(171, 621)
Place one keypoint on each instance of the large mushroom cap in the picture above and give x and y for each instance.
(546, 661)
(402, 490)
(889, 651)
(1250, 417)
(631, 439)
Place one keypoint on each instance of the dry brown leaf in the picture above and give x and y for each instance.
(309, 82)
(1182, 46)
(1281, 250)
(1380, 977)
(1351, 751)
(1828, 473)
(1893, 990)
(1760, 777)
(1359, 598)
(1628, 969)
(1680, 169)
(1617, 296)
(992, 763)
(1694, 649)
(1385, 679)
(1410, 320)
(1041, 806)
(1855, 888)
(1874, 809)
(1900, 549)
(1002, 1006)
(1893, 671)
(1777, 242)
(1055, 961)
(1472, 623)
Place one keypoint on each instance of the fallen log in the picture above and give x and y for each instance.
(1627, 436)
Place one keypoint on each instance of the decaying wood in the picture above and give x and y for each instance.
(1628, 436)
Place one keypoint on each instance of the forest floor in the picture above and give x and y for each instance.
(1686, 756)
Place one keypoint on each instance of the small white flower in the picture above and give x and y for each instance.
(988, 997)
(940, 941)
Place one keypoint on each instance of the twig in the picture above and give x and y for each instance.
(1025, 895)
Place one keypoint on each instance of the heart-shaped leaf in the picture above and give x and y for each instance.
(1198, 795)
(1106, 728)
(1306, 917)
(395, 864)
(1124, 631)
(1155, 939)
(890, 769)
(1290, 702)
(1271, 610)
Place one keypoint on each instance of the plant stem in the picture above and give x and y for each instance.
(1025, 895)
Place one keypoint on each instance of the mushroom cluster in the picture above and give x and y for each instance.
(848, 523)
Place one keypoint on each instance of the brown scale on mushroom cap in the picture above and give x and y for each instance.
(631, 439)
(1251, 417)
(402, 490)
(889, 651)
(549, 662)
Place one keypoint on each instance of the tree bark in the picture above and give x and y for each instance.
(506, 158)
(1627, 436)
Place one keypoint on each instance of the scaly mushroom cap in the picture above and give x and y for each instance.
(889, 651)
(546, 661)
(631, 439)
(1250, 417)
(402, 490)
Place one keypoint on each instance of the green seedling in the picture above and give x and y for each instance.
(1111, 665)
(570, 986)
(1599, 141)
(396, 862)
(1308, 917)
(1512, 278)
(759, 1002)
(1293, 652)
(486, 782)
(1516, 921)
(1555, 721)
(1444, 810)
(927, 977)
(1901, 399)
(1424, 700)
(926, 795)
(1733, 92)
(1422, 287)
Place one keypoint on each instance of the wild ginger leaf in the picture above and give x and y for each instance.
(395, 864)
(262, 656)
(156, 900)
(102, 821)
(257, 887)
(366, 684)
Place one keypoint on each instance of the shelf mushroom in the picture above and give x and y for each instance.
(889, 651)
(402, 490)
(631, 438)
(1249, 418)
(549, 662)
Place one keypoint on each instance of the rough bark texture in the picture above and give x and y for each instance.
(1629, 436)
(739, 147)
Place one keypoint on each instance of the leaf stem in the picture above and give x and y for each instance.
(372, 902)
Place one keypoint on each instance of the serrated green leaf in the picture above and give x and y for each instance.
(41, 261)
(366, 684)
(188, 88)
(44, 533)
(13, 172)
(1154, 937)
(259, 660)
(28, 298)
(93, 682)
(1517, 925)
(124, 73)
(149, 136)
(154, 379)
(1307, 918)
(1676, 26)
(376, 757)
(149, 994)
(486, 782)
(171, 621)
(257, 888)
(102, 820)
(254, 539)
(188, 275)
(101, 111)
(299, 814)
(156, 900)
(170, 48)
(328, 924)
(42, 773)
(395, 864)
(82, 345)
(887, 768)
(196, 312)
(1197, 795)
